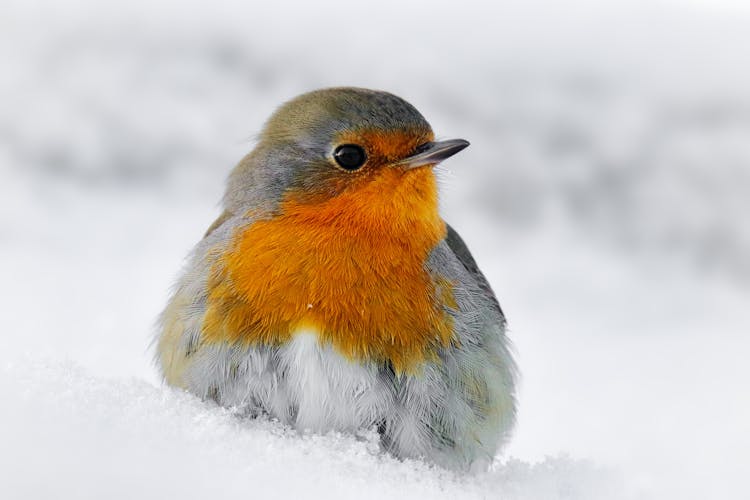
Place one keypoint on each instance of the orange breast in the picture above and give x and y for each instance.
(351, 268)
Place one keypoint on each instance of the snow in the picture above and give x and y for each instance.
(604, 195)
(126, 438)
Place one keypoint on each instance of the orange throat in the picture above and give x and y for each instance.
(351, 268)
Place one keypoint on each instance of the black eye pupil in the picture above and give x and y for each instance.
(350, 156)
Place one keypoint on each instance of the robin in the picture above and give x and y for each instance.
(332, 296)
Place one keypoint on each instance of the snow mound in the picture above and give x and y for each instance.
(71, 434)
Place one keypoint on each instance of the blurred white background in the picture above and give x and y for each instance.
(606, 195)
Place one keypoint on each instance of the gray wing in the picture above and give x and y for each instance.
(463, 405)
(225, 216)
(461, 251)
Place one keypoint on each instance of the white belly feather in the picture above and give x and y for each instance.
(302, 383)
(328, 390)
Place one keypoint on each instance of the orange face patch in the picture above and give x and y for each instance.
(386, 146)
(351, 267)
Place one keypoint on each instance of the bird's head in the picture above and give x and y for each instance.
(343, 149)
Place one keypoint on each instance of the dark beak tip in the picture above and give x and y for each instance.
(452, 147)
(433, 153)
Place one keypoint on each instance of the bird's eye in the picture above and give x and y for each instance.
(350, 156)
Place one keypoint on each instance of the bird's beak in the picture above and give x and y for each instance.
(432, 153)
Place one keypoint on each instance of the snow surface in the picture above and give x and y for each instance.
(605, 195)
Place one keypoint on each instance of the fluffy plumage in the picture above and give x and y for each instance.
(340, 300)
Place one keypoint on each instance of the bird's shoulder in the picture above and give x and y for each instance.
(455, 247)
(225, 216)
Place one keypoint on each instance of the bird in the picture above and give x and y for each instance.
(331, 296)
